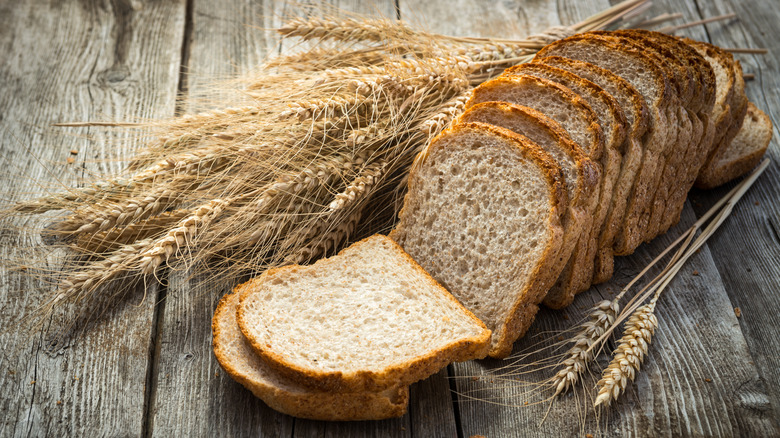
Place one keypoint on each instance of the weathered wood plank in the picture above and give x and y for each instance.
(747, 249)
(75, 61)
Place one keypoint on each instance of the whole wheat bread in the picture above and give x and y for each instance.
(614, 126)
(483, 216)
(637, 116)
(729, 110)
(581, 175)
(240, 361)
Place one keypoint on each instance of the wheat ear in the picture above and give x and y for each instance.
(97, 273)
(357, 189)
(180, 236)
(110, 240)
(346, 29)
(580, 354)
(632, 348)
(103, 217)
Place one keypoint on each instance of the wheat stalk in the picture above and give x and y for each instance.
(110, 240)
(346, 29)
(628, 356)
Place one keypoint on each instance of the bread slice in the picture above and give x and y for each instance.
(581, 175)
(366, 319)
(239, 360)
(613, 124)
(746, 149)
(483, 215)
(642, 72)
(637, 116)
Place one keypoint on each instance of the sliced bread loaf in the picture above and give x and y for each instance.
(684, 128)
(700, 111)
(367, 319)
(729, 110)
(581, 175)
(681, 159)
(613, 124)
(579, 120)
(746, 149)
(483, 216)
(642, 72)
(240, 361)
(637, 116)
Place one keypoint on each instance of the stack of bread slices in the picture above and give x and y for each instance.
(555, 167)
(631, 120)
(343, 339)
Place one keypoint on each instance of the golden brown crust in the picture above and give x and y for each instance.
(363, 380)
(568, 80)
(677, 71)
(613, 44)
(705, 83)
(314, 405)
(587, 170)
(641, 114)
(594, 129)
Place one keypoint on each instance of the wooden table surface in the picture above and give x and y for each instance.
(148, 369)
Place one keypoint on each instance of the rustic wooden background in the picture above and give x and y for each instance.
(148, 369)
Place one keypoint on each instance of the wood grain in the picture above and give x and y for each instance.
(142, 370)
(747, 249)
(75, 61)
(192, 396)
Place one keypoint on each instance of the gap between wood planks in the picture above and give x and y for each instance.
(152, 370)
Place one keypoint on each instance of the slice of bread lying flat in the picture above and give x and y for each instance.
(483, 215)
(239, 360)
(747, 148)
(366, 319)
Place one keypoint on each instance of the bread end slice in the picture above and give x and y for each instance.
(365, 319)
(745, 150)
(237, 358)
